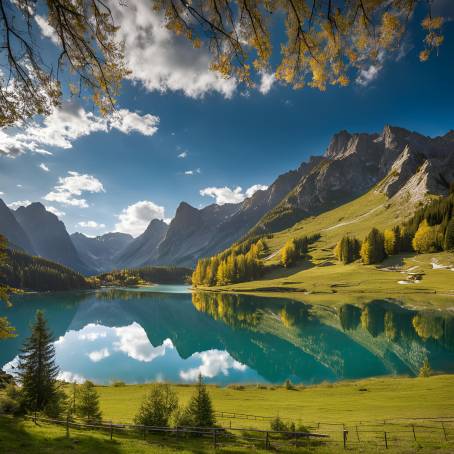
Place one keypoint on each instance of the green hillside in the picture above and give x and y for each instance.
(320, 274)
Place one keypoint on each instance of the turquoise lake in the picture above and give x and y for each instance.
(166, 333)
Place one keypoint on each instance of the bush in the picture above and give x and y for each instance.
(12, 402)
(278, 425)
(426, 370)
(118, 384)
(158, 406)
(289, 385)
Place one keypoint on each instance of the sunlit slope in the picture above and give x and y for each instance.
(321, 273)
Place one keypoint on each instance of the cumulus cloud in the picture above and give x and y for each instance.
(70, 377)
(19, 203)
(183, 154)
(91, 225)
(227, 195)
(266, 82)
(161, 61)
(44, 167)
(67, 124)
(98, 355)
(55, 211)
(135, 218)
(46, 29)
(70, 188)
(214, 362)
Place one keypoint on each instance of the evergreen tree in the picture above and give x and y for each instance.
(88, 403)
(158, 406)
(200, 409)
(288, 253)
(347, 249)
(449, 236)
(373, 247)
(37, 369)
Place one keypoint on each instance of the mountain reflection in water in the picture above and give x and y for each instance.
(138, 337)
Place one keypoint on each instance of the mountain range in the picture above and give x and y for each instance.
(404, 165)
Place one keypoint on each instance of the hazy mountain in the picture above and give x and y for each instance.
(143, 249)
(99, 252)
(49, 237)
(12, 230)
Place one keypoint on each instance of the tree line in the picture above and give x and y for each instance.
(146, 274)
(242, 262)
(430, 229)
(24, 271)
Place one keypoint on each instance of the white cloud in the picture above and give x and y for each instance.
(133, 341)
(183, 154)
(91, 225)
(266, 82)
(70, 377)
(46, 29)
(253, 189)
(19, 203)
(55, 211)
(227, 195)
(98, 355)
(192, 172)
(366, 76)
(44, 167)
(135, 218)
(160, 60)
(2, 193)
(70, 188)
(19, 186)
(67, 124)
(214, 362)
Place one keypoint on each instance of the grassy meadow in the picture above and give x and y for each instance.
(356, 404)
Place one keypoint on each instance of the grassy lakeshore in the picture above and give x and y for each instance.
(349, 403)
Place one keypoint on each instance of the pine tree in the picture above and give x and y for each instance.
(88, 403)
(392, 241)
(37, 369)
(449, 236)
(200, 409)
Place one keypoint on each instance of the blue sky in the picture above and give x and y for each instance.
(229, 136)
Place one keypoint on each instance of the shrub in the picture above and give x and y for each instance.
(289, 385)
(118, 384)
(158, 406)
(12, 402)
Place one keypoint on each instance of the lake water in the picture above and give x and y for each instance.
(167, 333)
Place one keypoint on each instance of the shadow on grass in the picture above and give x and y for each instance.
(17, 436)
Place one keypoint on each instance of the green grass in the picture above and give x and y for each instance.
(343, 402)
(321, 278)
(385, 398)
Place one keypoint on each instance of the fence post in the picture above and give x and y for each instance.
(345, 433)
(67, 426)
(386, 441)
(111, 430)
(267, 441)
(414, 433)
(357, 433)
(444, 430)
(215, 441)
(143, 428)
